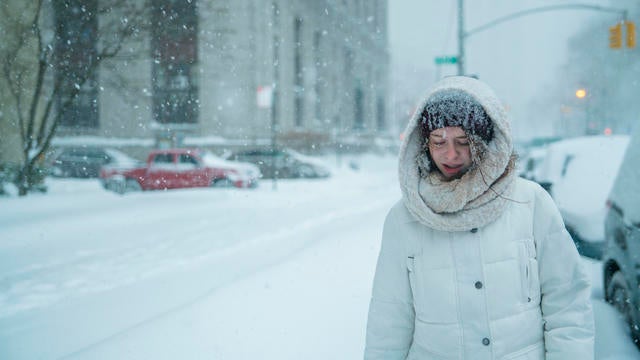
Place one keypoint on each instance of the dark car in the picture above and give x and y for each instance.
(283, 163)
(621, 258)
(86, 161)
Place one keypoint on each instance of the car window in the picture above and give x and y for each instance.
(163, 158)
(565, 165)
(87, 154)
(626, 192)
(187, 161)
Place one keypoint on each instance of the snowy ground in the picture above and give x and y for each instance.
(206, 273)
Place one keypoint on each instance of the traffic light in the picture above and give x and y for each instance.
(615, 36)
(631, 34)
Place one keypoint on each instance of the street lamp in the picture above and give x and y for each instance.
(581, 93)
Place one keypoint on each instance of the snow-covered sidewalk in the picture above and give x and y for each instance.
(205, 273)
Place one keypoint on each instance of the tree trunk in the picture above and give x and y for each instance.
(23, 179)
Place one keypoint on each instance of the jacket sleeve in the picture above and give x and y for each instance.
(391, 313)
(565, 286)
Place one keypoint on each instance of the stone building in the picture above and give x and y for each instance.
(309, 73)
(315, 71)
(322, 65)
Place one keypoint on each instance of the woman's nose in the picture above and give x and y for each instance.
(450, 151)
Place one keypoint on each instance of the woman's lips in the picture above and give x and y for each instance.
(451, 169)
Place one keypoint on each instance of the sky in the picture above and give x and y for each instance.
(518, 59)
(90, 274)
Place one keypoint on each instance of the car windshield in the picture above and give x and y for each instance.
(81, 152)
(211, 179)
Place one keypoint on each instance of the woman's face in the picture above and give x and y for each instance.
(449, 149)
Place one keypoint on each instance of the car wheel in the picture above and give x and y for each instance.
(306, 171)
(132, 185)
(119, 187)
(222, 183)
(619, 296)
(284, 173)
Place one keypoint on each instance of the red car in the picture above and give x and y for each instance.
(180, 168)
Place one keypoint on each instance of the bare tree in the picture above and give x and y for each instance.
(29, 61)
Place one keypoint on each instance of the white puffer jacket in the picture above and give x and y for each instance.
(512, 288)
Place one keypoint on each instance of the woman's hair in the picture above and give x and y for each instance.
(455, 108)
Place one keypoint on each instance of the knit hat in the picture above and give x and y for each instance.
(454, 107)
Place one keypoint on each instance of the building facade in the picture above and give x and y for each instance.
(306, 72)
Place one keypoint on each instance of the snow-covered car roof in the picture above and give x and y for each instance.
(121, 159)
(554, 164)
(585, 176)
(213, 160)
(308, 159)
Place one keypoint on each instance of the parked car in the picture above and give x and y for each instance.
(529, 164)
(530, 155)
(86, 161)
(621, 258)
(283, 163)
(579, 175)
(180, 168)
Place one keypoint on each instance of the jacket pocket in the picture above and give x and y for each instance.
(529, 273)
(532, 352)
(533, 282)
(433, 288)
(436, 342)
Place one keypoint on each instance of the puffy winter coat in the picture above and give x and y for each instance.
(511, 290)
(468, 271)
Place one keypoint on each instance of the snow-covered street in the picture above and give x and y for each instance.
(206, 273)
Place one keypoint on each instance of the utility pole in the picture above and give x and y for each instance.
(461, 36)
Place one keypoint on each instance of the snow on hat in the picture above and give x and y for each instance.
(454, 107)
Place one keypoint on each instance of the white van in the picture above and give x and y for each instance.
(621, 257)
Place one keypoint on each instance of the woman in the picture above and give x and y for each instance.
(475, 262)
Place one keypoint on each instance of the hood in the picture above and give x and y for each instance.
(479, 196)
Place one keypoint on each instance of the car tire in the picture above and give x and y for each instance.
(132, 185)
(619, 295)
(222, 183)
(306, 171)
(119, 187)
(284, 173)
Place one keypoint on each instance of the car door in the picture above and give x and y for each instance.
(190, 172)
(628, 202)
(95, 159)
(161, 173)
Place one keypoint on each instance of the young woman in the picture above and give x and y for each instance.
(475, 262)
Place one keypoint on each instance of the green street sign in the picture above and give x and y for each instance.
(446, 60)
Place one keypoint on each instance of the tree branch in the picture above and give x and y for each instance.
(8, 63)
(42, 68)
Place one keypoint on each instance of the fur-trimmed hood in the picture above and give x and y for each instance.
(480, 195)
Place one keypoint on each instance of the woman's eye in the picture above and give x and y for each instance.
(463, 143)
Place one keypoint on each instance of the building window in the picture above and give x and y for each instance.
(76, 28)
(174, 47)
(317, 63)
(298, 72)
(276, 81)
(275, 14)
(358, 99)
(380, 114)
